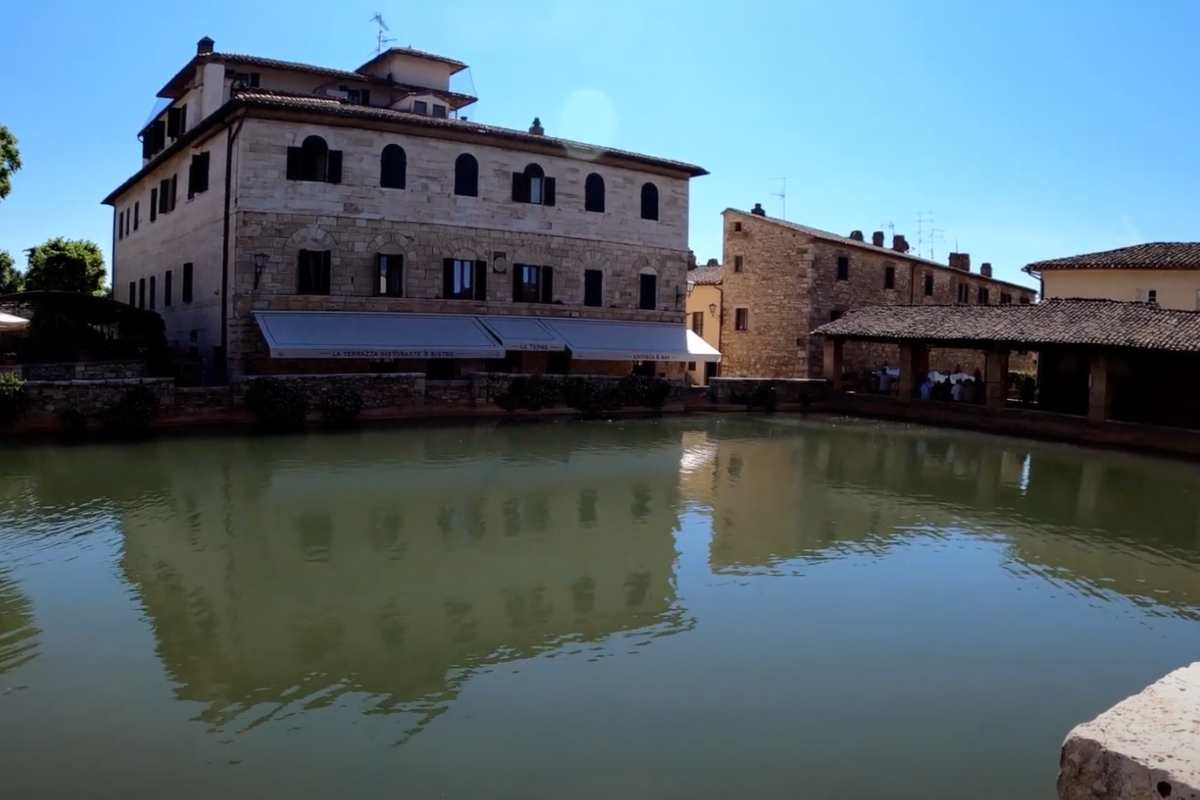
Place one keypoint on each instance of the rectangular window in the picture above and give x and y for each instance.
(174, 181)
(737, 227)
(741, 319)
(153, 204)
(141, 292)
(698, 323)
(593, 288)
(153, 293)
(313, 272)
(1152, 296)
(391, 274)
(133, 293)
(981, 296)
(198, 175)
(929, 284)
(185, 293)
(463, 279)
(1005, 299)
(420, 107)
(889, 277)
(843, 268)
(167, 288)
(164, 196)
(737, 263)
(137, 214)
(533, 284)
(964, 293)
(648, 292)
(246, 79)
(120, 226)
(439, 111)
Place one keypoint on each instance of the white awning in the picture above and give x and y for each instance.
(524, 333)
(375, 335)
(9, 322)
(614, 340)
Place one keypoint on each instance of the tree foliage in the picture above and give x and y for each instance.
(68, 265)
(10, 280)
(10, 160)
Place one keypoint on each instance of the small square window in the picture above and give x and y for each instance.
(420, 107)
(737, 227)
(741, 319)
(439, 111)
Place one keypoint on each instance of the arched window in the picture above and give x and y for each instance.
(314, 159)
(593, 193)
(466, 175)
(532, 186)
(649, 201)
(648, 288)
(393, 165)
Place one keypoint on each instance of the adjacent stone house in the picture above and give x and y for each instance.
(291, 217)
(781, 280)
(1166, 273)
(704, 316)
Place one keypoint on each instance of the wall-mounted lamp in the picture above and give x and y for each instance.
(260, 263)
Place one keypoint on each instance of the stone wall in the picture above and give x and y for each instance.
(487, 386)
(90, 398)
(789, 284)
(787, 390)
(83, 371)
(378, 390)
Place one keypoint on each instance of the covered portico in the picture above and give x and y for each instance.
(1103, 359)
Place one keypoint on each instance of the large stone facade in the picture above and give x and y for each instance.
(790, 279)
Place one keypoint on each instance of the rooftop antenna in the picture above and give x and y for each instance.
(782, 195)
(380, 39)
(935, 235)
(924, 222)
(890, 226)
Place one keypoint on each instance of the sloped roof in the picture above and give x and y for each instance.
(1102, 323)
(846, 241)
(705, 276)
(1152, 255)
(412, 51)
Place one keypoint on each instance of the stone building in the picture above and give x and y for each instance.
(273, 193)
(1166, 273)
(781, 280)
(704, 316)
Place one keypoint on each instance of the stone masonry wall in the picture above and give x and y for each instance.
(83, 371)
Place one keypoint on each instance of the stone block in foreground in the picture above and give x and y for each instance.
(1146, 747)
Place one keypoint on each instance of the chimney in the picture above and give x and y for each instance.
(960, 261)
(877, 238)
(758, 210)
(985, 269)
(712, 262)
(857, 236)
(204, 47)
(899, 243)
(536, 128)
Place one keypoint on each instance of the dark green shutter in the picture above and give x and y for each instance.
(173, 123)
(447, 277)
(326, 271)
(481, 280)
(335, 166)
(518, 269)
(547, 284)
(547, 191)
(293, 163)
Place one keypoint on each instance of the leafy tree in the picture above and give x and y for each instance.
(10, 280)
(69, 265)
(10, 160)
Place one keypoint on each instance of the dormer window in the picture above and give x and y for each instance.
(176, 121)
(420, 107)
(439, 111)
(361, 97)
(245, 80)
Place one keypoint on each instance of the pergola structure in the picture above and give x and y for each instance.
(1092, 352)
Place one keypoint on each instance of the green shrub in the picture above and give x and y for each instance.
(529, 391)
(341, 406)
(637, 390)
(13, 397)
(276, 405)
(74, 425)
(132, 414)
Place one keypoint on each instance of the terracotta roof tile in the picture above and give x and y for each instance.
(1153, 255)
(705, 276)
(1104, 323)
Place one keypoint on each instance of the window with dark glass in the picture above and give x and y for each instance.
(393, 164)
(164, 196)
(154, 204)
(133, 293)
(741, 319)
(533, 284)
(889, 277)
(964, 293)
(314, 161)
(176, 121)
(737, 263)
(466, 176)
(593, 193)
(153, 293)
(439, 111)
(649, 201)
(198, 175)
(185, 293)
(313, 272)
(463, 279)
(981, 297)
(167, 299)
(137, 214)
(843, 268)
(361, 97)
(593, 288)
(929, 284)
(120, 226)
(420, 107)
(141, 292)
(698, 323)
(648, 291)
(532, 186)
(391, 274)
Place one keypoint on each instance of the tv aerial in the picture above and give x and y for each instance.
(380, 39)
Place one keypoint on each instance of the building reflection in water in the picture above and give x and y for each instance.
(1105, 522)
(18, 633)
(298, 570)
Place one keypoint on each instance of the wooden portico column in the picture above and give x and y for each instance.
(996, 379)
(1099, 388)
(832, 363)
(914, 366)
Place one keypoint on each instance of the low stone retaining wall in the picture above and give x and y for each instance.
(1144, 748)
(489, 385)
(378, 389)
(52, 398)
(738, 391)
(83, 371)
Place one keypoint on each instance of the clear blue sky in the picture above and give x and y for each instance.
(1028, 132)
